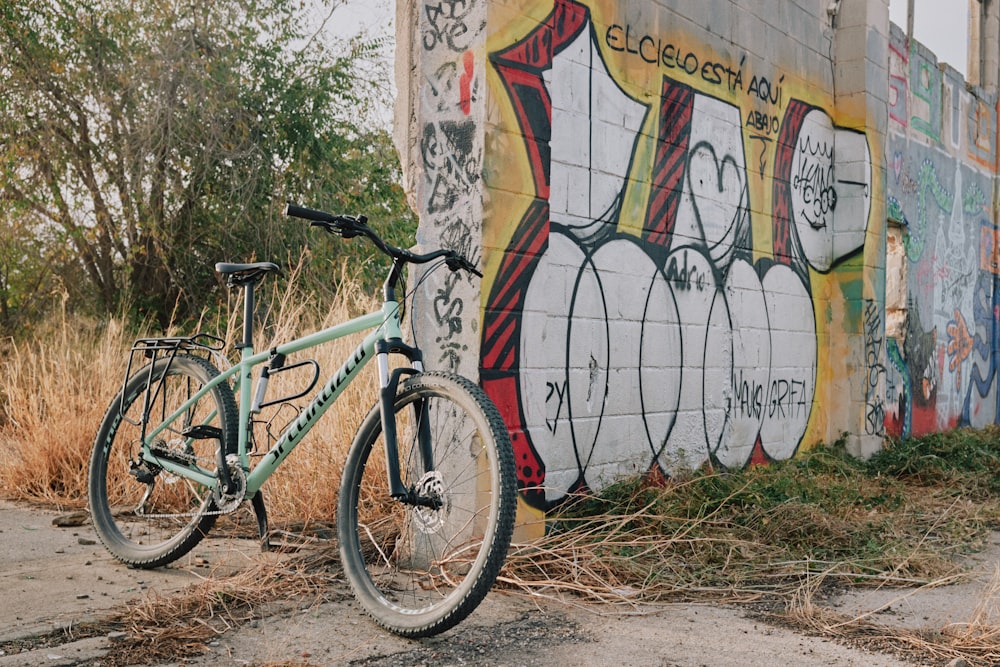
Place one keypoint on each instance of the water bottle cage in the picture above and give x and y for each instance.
(276, 366)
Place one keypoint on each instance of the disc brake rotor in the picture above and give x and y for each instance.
(228, 502)
(427, 519)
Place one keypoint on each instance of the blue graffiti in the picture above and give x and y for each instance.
(906, 393)
(986, 342)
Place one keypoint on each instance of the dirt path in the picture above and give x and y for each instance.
(54, 578)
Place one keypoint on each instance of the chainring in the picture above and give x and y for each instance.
(229, 502)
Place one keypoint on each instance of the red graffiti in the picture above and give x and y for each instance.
(782, 191)
(465, 82)
(676, 108)
(521, 67)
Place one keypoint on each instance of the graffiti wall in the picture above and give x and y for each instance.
(443, 143)
(941, 154)
(675, 222)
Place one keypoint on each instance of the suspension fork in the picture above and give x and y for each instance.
(388, 386)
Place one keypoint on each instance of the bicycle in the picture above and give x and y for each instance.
(427, 499)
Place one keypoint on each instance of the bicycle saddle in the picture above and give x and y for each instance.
(243, 274)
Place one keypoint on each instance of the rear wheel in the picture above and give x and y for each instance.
(422, 566)
(144, 515)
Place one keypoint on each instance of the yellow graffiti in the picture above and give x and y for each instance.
(640, 45)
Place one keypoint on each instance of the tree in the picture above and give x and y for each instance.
(143, 141)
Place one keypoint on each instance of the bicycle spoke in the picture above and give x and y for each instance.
(421, 565)
(170, 513)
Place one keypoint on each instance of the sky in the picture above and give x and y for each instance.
(352, 16)
(374, 18)
(940, 25)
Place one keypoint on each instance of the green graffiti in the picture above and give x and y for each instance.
(896, 211)
(927, 181)
(973, 201)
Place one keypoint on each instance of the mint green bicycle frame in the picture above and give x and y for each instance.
(385, 325)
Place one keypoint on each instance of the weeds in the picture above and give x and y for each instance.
(783, 533)
(786, 534)
(966, 460)
(762, 530)
(56, 386)
(758, 531)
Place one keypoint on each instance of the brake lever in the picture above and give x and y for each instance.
(456, 262)
(330, 227)
(344, 226)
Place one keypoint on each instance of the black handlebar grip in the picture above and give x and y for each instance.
(296, 211)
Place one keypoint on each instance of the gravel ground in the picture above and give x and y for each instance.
(56, 578)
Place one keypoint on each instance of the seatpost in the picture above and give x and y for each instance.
(248, 306)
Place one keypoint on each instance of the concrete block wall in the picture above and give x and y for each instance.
(679, 211)
(941, 153)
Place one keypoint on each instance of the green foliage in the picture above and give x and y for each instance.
(900, 516)
(965, 459)
(141, 142)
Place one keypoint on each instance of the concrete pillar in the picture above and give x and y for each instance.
(860, 56)
(439, 133)
(984, 44)
(861, 92)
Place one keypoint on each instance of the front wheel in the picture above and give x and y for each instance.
(419, 568)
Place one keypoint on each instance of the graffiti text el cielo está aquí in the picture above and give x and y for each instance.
(654, 50)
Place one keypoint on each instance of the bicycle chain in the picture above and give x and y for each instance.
(174, 516)
(211, 491)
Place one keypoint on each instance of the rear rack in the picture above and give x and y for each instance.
(200, 341)
(155, 349)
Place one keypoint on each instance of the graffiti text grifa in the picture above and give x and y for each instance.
(655, 51)
(787, 398)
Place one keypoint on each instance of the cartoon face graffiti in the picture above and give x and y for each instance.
(831, 190)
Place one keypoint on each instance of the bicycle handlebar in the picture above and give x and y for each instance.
(348, 226)
(295, 211)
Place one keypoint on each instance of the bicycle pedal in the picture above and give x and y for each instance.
(202, 432)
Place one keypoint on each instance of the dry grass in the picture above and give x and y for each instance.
(165, 628)
(56, 385)
(756, 534)
(622, 561)
(54, 390)
(783, 535)
(783, 538)
(976, 641)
